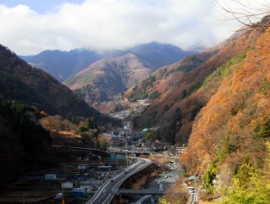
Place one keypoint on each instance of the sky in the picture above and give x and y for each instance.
(29, 27)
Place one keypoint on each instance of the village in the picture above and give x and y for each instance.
(77, 180)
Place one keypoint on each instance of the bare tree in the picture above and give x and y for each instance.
(246, 12)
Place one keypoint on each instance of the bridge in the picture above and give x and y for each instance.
(128, 152)
(147, 192)
(89, 149)
(131, 152)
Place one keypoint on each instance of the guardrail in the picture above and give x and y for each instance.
(118, 180)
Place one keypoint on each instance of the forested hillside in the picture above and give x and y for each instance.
(220, 108)
(24, 144)
(230, 132)
(108, 77)
(21, 82)
(104, 79)
(173, 90)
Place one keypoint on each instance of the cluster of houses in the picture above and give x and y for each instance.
(135, 108)
(122, 136)
(128, 138)
(78, 179)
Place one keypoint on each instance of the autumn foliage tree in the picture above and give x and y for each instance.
(249, 185)
(231, 130)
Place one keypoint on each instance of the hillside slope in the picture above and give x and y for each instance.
(24, 144)
(175, 107)
(21, 82)
(220, 109)
(235, 121)
(105, 78)
(168, 76)
(102, 80)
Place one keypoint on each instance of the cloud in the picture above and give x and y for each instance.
(112, 24)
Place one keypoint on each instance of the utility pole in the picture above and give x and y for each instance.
(92, 172)
(126, 155)
(195, 193)
(63, 199)
(24, 196)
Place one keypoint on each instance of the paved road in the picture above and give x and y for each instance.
(106, 192)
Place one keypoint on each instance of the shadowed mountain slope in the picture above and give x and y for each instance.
(21, 82)
(62, 64)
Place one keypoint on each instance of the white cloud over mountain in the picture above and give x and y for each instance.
(112, 24)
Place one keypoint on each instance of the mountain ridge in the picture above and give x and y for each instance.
(116, 73)
(65, 64)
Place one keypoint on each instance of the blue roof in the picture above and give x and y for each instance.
(104, 167)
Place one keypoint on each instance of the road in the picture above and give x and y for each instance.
(107, 191)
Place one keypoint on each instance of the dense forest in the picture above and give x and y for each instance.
(230, 133)
(25, 144)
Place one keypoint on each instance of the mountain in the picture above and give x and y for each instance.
(219, 108)
(159, 55)
(62, 64)
(112, 75)
(234, 121)
(163, 79)
(21, 82)
(108, 77)
(171, 90)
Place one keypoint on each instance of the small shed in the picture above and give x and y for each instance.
(68, 185)
(78, 192)
(59, 196)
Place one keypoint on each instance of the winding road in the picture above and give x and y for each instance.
(107, 191)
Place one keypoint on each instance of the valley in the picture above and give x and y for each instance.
(147, 123)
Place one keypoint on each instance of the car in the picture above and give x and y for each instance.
(191, 190)
(112, 181)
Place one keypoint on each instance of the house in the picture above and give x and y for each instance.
(140, 135)
(68, 185)
(116, 137)
(50, 177)
(86, 187)
(122, 133)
